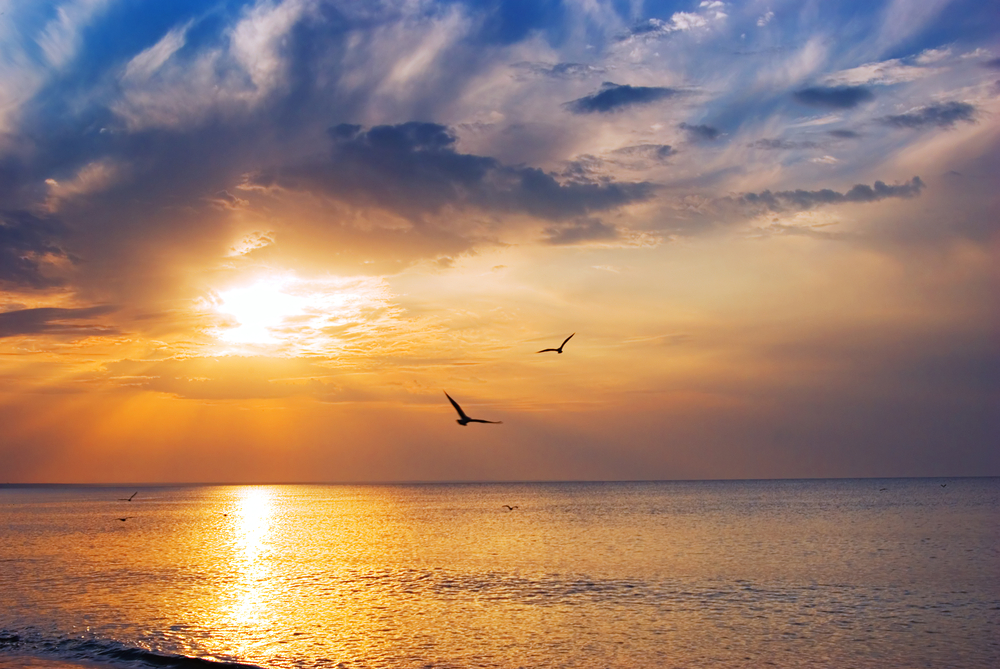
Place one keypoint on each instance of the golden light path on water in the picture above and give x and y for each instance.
(253, 530)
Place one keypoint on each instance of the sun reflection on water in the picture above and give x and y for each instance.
(254, 517)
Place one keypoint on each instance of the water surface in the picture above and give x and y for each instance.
(590, 575)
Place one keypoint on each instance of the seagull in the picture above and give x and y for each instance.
(944, 485)
(465, 420)
(126, 518)
(557, 350)
(129, 498)
(509, 507)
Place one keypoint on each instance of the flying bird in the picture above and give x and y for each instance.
(465, 420)
(509, 507)
(557, 350)
(129, 498)
(126, 518)
(944, 485)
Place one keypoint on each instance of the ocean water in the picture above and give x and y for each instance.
(900, 573)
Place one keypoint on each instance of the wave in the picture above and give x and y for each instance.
(107, 652)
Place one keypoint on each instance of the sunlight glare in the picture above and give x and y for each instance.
(284, 313)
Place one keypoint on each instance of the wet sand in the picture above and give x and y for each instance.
(23, 661)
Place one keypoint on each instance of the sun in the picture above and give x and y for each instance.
(285, 314)
(260, 309)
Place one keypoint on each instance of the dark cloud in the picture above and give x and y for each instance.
(579, 231)
(26, 242)
(649, 151)
(993, 64)
(414, 169)
(705, 132)
(781, 144)
(834, 97)
(613, 97)
(942, 115)
(807, 199)
(558, 70)
(844, 134)
(54, 321)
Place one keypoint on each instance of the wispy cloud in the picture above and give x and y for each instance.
(55, 321)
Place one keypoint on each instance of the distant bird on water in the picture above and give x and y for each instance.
(557, 350)
(465, 420)
(126, 518)
(129, 498)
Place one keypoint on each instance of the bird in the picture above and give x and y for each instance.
(126, 518)
(509, 507)
(129, 498)
(881, 489)
(465, 420)
(944, 485)
(557, 350)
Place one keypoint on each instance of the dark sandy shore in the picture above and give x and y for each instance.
(22, 661)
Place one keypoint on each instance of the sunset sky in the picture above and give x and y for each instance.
(255, 241)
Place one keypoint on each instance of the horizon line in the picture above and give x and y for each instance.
(153, 484)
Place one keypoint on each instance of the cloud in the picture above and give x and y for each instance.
(614, 97)
(781, 144)
(885, 73)
(833, 97)
(27, 245)
(54, 321)
(679, 22)
(656, 152)
(414, 169)
(584, 230)
(705, 132)
(943, 115)
(807, 199)
(558, 70)
(844, 134)
(992, 64)
(142, 67)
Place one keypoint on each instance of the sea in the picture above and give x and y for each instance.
(865, 573)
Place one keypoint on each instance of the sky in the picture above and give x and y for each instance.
(256, 241)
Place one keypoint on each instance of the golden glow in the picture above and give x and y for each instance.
(288, 314)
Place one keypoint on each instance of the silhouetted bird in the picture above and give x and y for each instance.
(126, 518)
(881, 489)
(465, 420)
(944, 485)
(509, 507)
(557, 350)
(129, 498)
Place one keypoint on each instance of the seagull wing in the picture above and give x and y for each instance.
(546, 350)
(566, 340)
(479, 420)
(457, 408)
